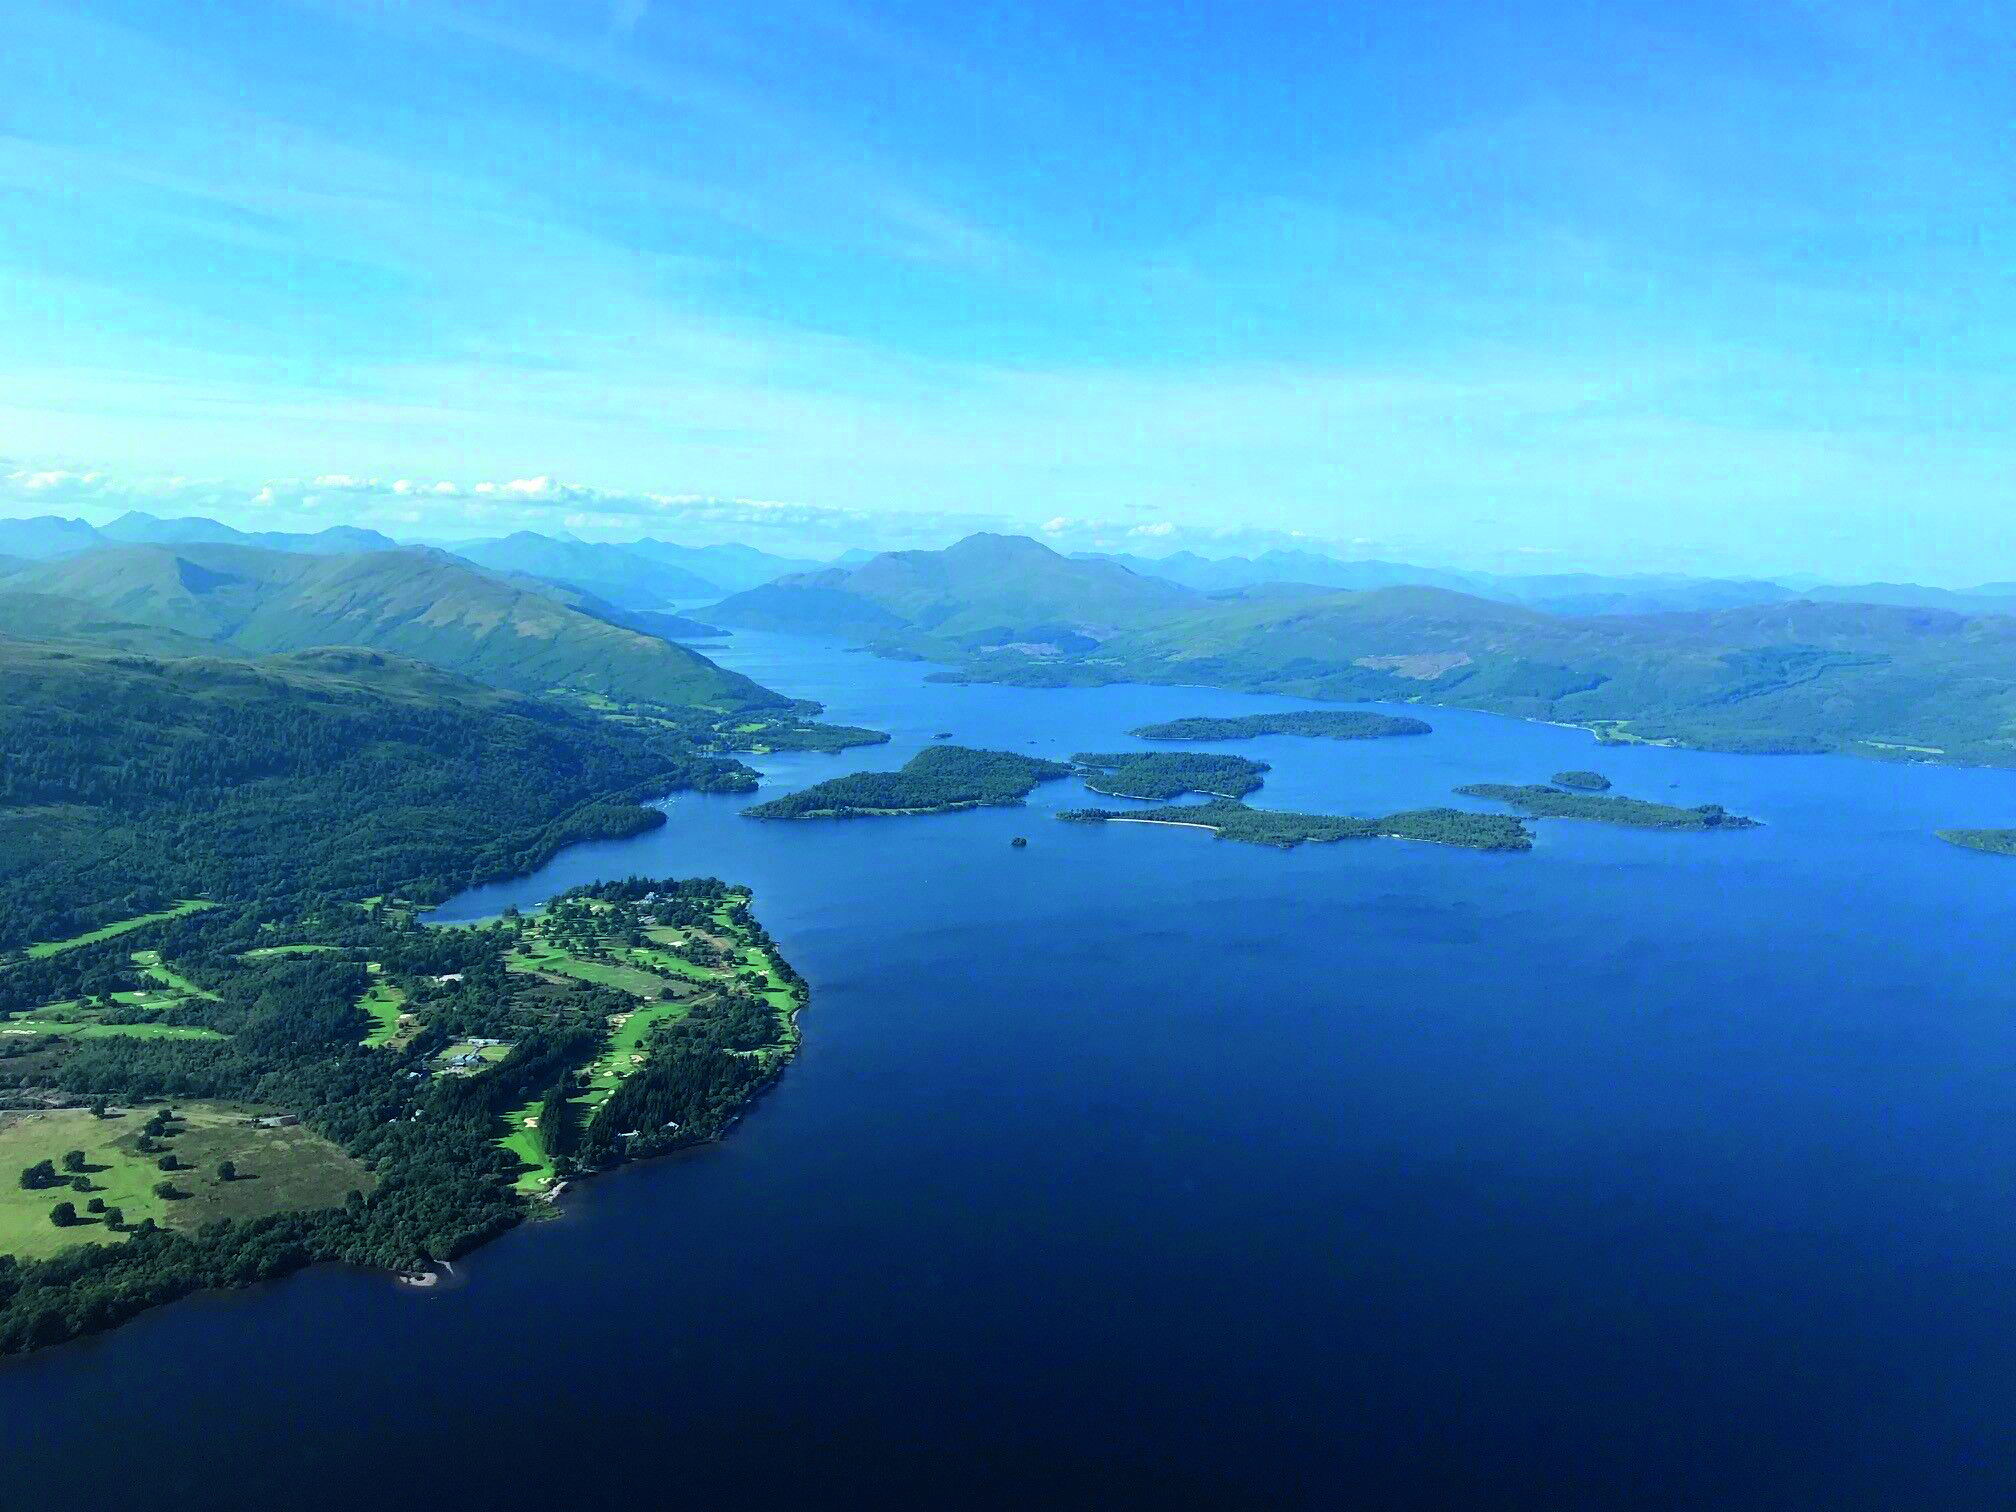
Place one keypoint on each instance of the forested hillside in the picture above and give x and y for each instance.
(130, 779)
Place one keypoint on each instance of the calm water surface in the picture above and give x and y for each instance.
(1659, 1170)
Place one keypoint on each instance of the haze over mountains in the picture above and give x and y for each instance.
(1790, 675)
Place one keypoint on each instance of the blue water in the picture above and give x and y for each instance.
(1648, 1170)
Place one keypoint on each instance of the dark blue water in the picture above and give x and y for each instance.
(1648, 1170)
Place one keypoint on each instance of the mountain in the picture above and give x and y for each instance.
(45, 536)
(1218, 574)
(987, 589)
(624, 577)
(136, 528)
(1584, 593)
(420, 603)
(1990, 598)
(1789, 675)
(733, 567)
(1559, 593)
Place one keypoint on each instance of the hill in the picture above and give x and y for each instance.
(416, 602)
(132, 779)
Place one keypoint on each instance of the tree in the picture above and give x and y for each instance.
(80, 1183)
(98, 1107)
(95, 1205)
(73, 1160)
(166, 1190)
(227, 1170)
(167, 1162)
(64, 1214)
(116, 1219)
(39, 1175)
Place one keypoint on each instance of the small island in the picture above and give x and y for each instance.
(1168, 774)
(1230, 820)
(1583, 782)
(1543, 802)
(1996, 842)
(1325, 724)
(934, 781)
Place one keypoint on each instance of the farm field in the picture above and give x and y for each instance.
(280, 1170)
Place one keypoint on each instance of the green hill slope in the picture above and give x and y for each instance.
(135, 779)
(419, 603)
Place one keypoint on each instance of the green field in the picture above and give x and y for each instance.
(75, 1021)
(383, 1002)
(281, 1169)
(266, 951)
(149, 962)
(544, 957)
(525, 1143)
(113, 931)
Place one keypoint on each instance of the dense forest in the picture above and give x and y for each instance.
(1326, 724)
(1168, 774)
(935, 779)
(1551, 803)
(1236, 821)
(131, 780)
(1582, 782)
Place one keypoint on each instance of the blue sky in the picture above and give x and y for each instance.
(1721, 287)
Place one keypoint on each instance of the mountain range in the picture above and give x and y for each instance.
(1794, 674)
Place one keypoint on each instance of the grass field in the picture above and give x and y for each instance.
(282, 1169)
(544, 957)
(149, 962)
(383, 1002)
(74, 1021)
(113, 931)
(523, 1141)
(265, 952)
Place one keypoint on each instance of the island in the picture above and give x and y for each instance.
(1996, 842)
(1543, 802)
(1231, 820)
(1168, 774)
(1326, 724)
(1583, 782)
(936, 780)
